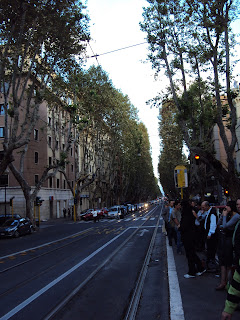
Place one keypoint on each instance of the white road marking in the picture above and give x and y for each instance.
(143, 231)
(176, 307)
(57, 280)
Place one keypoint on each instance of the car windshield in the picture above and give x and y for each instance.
(11, 223)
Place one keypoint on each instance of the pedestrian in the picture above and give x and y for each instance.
(226, 224)
(176, 217)
(236, 239)
(210, 226)
(69, 213)
(64, 212)
(171, 233)
(95, 215)
(187, 229)
(233, 296)
(165, 214)
(200, 216)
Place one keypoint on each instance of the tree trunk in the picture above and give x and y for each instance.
(29, 206)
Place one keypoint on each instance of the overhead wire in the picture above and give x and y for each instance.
(101, 54)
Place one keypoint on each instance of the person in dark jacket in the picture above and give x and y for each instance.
(226, 223)
(171, 233)
(233, 297)
(187, 229)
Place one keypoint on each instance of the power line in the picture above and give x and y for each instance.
(101, 54)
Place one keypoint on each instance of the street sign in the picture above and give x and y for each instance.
(180, 177)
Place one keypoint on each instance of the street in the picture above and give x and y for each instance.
(85, 268)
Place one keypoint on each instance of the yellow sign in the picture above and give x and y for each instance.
(180, 177)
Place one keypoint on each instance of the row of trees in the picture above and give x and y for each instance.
(42, 44)
(193, 42)
(120, 143)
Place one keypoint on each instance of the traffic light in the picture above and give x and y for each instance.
(197, 157)
(38, 201)
(226, 192)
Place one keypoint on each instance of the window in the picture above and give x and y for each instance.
(3, 180)
(64, 184)
(2, 111)
(63, 146)
(36, 157)
(2, 132)
(50, 141)
(50, 161)
(71, 152)
(72, 167)
(35, 134)
(49, 121)
(56, 145)
(58, 183)
(50, 182)
(36, 179)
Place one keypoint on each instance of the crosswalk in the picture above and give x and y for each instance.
(126, 220)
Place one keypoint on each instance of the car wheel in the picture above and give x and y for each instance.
(16, 234)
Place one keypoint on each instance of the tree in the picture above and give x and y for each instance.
(193, 37)
(39, 43)
(172, 146)
(110, 140)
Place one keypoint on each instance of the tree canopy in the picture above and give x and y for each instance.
(192, 41)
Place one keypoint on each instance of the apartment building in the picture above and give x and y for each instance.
(47, 140)
(86, 169)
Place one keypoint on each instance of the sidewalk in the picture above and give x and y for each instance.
(200, 300)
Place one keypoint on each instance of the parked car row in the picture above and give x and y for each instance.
(117, 211)
(14, 226)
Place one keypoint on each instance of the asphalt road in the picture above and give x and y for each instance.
(102, 261)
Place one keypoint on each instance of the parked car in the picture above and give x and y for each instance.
(114, 212)
(130, 207)
(8, 216)
(16, 227)
(89, 216)
(105, 212)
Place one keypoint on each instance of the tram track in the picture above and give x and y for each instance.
(134, 302)
(73, 292)
(45, 253)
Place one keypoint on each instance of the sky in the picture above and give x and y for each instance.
(115, 24)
